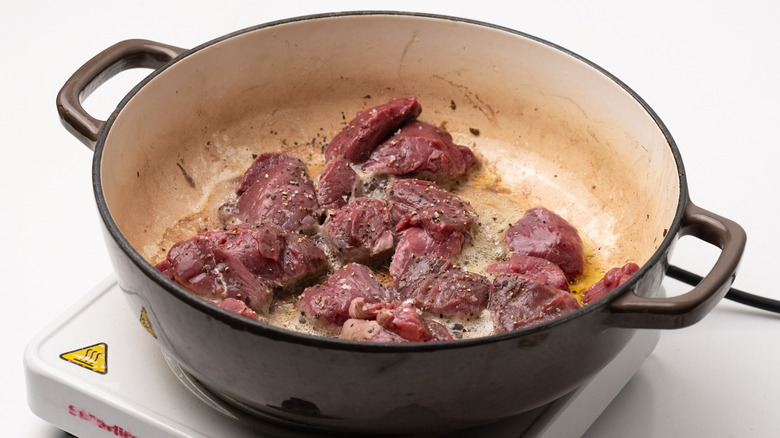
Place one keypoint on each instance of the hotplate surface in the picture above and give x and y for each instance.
(97, 370)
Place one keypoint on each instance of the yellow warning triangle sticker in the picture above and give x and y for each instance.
(93, 358)
(146, 323)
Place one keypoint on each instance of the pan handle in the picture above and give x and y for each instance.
(635, 311)
(124, 55)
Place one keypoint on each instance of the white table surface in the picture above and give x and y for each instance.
(710, 70)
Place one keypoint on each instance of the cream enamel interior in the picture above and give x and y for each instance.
(555, 130)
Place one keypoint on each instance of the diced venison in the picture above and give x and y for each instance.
(439, 331)
(455, 293)
(391, 322)
(205, 269)
(418, 273)
(437, 286)
(416, 242)
(281, 258)
(414, 202)
(421, 150)
(542, 233)
(280, 192)
(434, 222)
(405, 320)
(517, 302)
(238, 307)
(360, 231)
(611, 281)
(380, 189)
(368, 330)
(370, 127)
(328, 303)
(259, 168)
(337, 184)
(359, 309)
(534, 268)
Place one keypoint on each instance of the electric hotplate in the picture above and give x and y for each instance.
(97, 371)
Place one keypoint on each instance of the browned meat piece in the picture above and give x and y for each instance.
(540, 270)
(415, 202)
(237, 307)
(435, 285)
(338, 183)
(328, 303)
(393, 322)
(542, 233)
(281, 258)
(282, 193)
(360, 232)
(204, 268)
(416, 242)
(517, 302)
(611, 281)
(371, 127)
(421, 150)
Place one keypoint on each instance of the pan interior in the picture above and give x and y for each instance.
(549, 128)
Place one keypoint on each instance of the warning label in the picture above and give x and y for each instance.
(146, 323)
(93, 358)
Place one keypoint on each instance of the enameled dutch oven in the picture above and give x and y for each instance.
(560, 131)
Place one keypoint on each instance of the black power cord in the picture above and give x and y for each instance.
(735, 295)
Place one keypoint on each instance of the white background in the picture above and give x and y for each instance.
(710, 70)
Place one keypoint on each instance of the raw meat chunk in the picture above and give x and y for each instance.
(534, 268)
(282, 193)
(281, 258)
(368, 330)
(258, 169)
(338, 183)
(392, 322)
(405, 320)
(517, 302)
(421, 150)
(542, 233)
(437, 286)
(328, 303)
(416, 242)
(204, 268)
(611, 281)
(435, 223)
(238, 307)
(415, 202)
(360, 232)
(371, 127)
